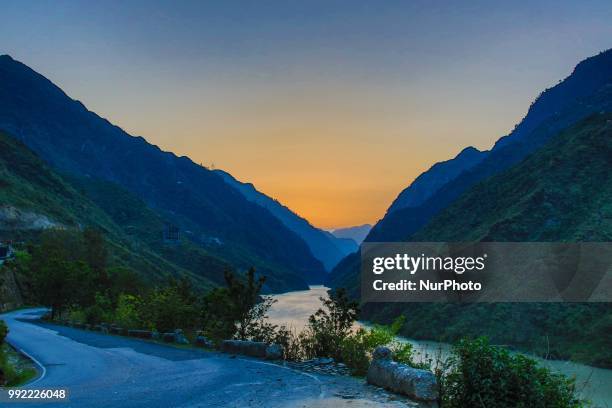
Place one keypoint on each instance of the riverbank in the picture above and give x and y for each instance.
(293, 309)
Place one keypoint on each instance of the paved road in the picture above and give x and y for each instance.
(112, 371)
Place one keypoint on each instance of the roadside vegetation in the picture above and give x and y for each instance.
(68, 271)
(14, 368)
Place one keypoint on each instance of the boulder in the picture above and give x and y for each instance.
(412, 382)
(179, 337)
(274, 352)
(203, 341)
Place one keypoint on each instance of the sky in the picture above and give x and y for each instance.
(331, 107)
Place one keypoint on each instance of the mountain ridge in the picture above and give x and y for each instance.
(324, 246)
(76, 141)
(403, 223)
(585, 91)
(561, 192)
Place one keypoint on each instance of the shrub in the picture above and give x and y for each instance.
(329, 326)
(127, 313)
(217, 322)
(3, 332)
(100, 311)
(239, 311)
(77, 315)
(357, 348)
(11, 372)
(489, 376)
(170, 307)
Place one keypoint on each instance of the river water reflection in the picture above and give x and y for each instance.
(293, 309)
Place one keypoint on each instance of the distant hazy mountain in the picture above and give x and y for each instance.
(357, 233)
(212, 214)
(324, 246)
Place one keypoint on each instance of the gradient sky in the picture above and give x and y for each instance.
(332, 107)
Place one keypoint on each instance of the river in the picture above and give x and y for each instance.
(293, 309)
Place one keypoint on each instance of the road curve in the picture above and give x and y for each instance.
(112, 371)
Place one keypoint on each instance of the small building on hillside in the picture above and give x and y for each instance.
(6, 253)
(171, 234)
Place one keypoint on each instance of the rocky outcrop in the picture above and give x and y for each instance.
(10, 292)
(12, 218)
(412, 382)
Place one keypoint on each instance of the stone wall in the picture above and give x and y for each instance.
(415, 383)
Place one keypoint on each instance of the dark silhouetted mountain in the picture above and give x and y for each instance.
(357, 233)
(425, 185)
(324, 246)
(562, 192)
(34, 197)
(587, 90)
(213, 215)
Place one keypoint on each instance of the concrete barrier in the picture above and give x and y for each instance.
(142, 334)
(253, 349)
(244, 347)
(176, 336)
(415, 383)
(274, 352)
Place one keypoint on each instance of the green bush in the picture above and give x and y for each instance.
(3, 332)
(239, 311)
(77, 315)
(127, 313)
(329, 326)
(357, 347)
(170, 307)
(100, 311)
(482, 375)
(12, 373)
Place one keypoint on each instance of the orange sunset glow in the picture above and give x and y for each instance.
(330, 110)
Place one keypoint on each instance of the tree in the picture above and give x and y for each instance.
(238, 310)
(96, 256)
(330, 325)
(95, 250)
(56, 283)
(61, 276)
(170, 307)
